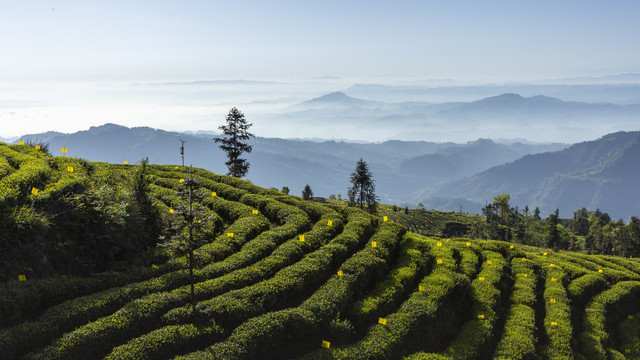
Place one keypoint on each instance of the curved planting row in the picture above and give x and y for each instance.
(280, 277)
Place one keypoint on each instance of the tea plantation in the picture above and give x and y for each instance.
(279, 278)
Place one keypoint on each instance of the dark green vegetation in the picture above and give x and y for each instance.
(278, 277)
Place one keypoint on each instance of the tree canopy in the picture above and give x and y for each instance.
(234, 144)
(363, 191)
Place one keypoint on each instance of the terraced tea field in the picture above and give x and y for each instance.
(284, 278)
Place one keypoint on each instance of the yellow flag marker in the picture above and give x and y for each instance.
(551, 265)
(20, 142)
(302, 238)
(37, 147)
(154, 266)
(34, 191)
(214, 194)
(489, 262)
(439, 261)
(374, 244)
(70, 168)
(385, 218)
(600, 271)
(481, 317)
(330, 222)
(126, 162)
(382, 321)
(630, 317)
(481, 278)
(544, 254)
(553, 279)
(255, 212)
(171, 211)
(326, 344)
(420, 287)
(553, 323)
(468, 243)
(553, 301)
(340, 273)
(229, 235)
(63, 150)
(511, 247)
(439, 244)
(22, 277)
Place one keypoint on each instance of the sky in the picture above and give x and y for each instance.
(98, 42)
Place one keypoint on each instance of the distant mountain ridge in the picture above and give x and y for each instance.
(595, 174)
(325, 165)
(537, 118)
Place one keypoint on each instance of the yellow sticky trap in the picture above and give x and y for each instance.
(330, 223)
(37, 147)
(420, 287)
(439, 244)
(214, 194)
(385, 218)
(301, 238)
(63, 150)
(154, 266)
(326, 344)
(171, 211)
(553, 323)
(34, 191)
(481, 317)
(340, 273)
(382, 321)
(551, 265)
(553, 279)
(70, 168)
(374, 244)
(630, 317)
(439, 261)
(20, 142)
(544, 254)
(22, 277)
(552, 301)
(255, 212)
(489, 262)
(511, 247)
(600, 271)
(468, 243)
(481, 278)
(126, 162)
(229, 235)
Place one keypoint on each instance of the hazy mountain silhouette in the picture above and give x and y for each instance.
(595, 174)
(325, 166)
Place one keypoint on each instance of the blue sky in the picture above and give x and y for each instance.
(190, 40)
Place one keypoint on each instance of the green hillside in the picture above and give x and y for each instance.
(278, 277)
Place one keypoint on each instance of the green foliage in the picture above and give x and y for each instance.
(234, 144)
(264, 293)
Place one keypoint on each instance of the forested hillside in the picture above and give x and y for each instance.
(276, 277)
